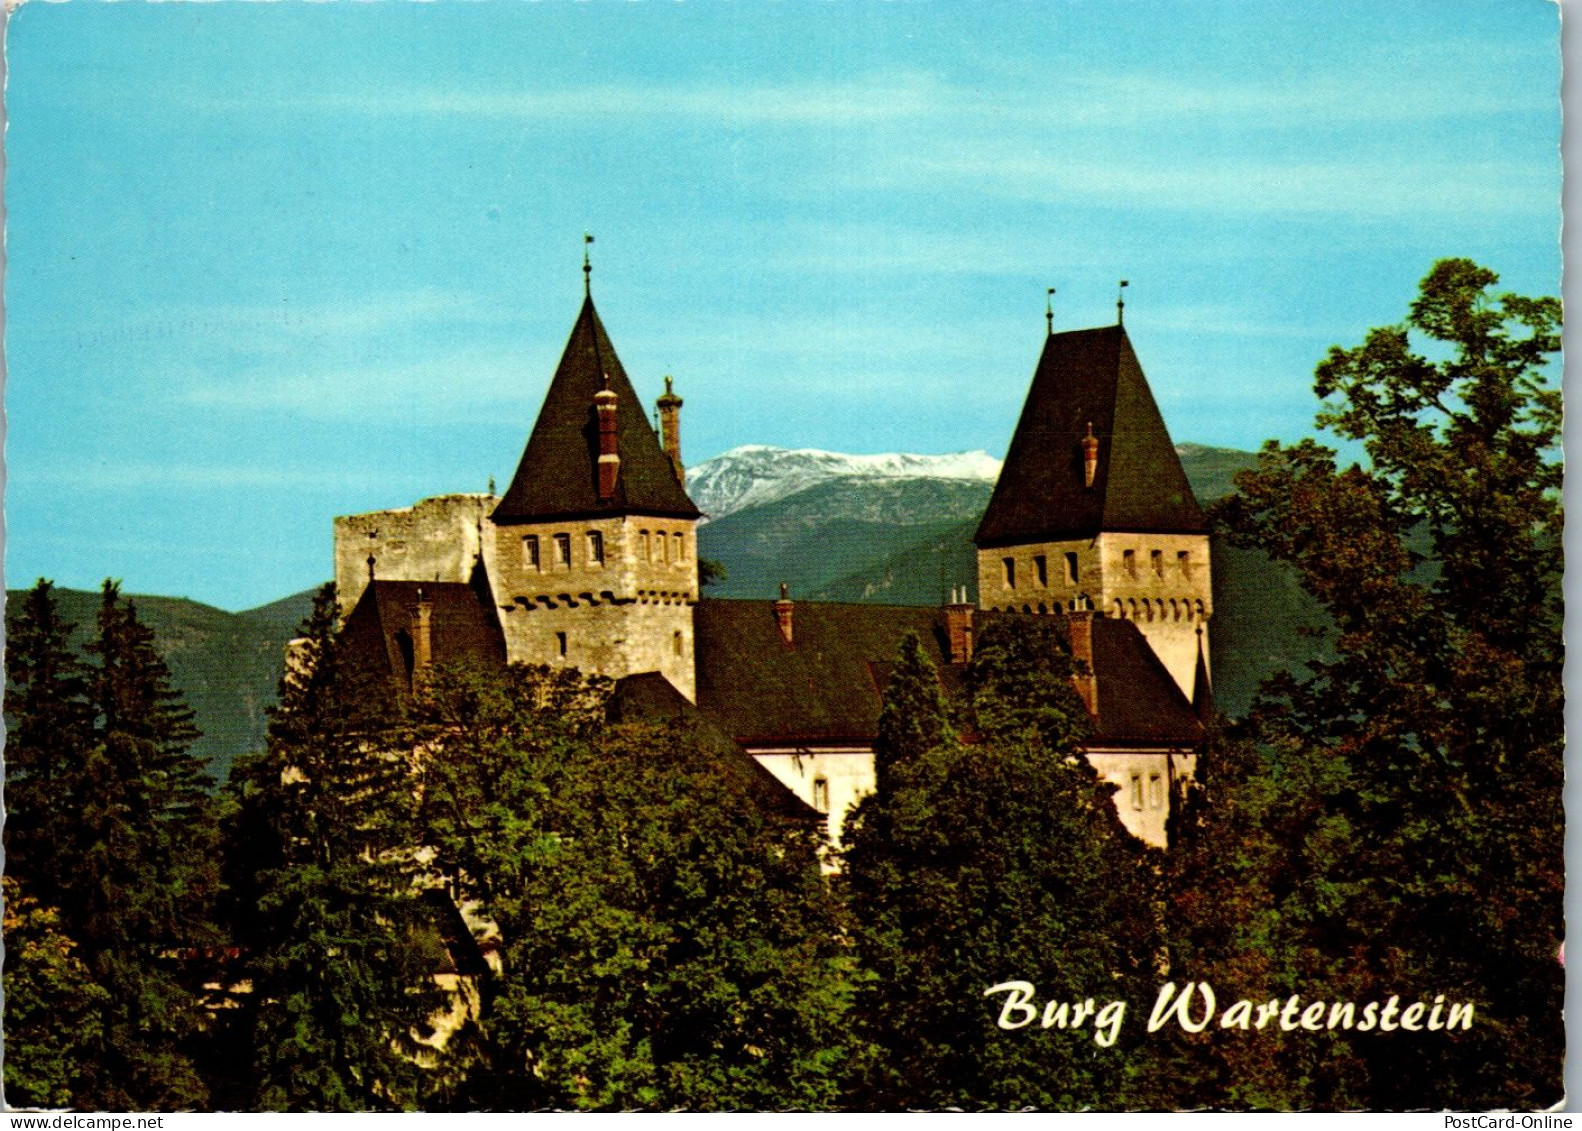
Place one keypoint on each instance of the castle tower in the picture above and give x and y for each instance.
(1093, 511)
(595, 543)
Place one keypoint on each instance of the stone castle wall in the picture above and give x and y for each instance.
(1159, 581)
(438, 539)
(607, 595)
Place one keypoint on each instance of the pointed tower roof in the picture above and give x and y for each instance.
(1202, 690)
(1089, 377)
(559, 472)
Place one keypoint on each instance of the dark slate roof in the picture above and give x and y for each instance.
(1202, 689)
(1083, 377)
(558, 475)
(826, 687)
(1139, 702)
(650, 697)
(461, 628)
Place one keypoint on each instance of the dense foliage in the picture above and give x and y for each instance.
(108, 830)
(1396, 826)
(980, 864)
(663, 943)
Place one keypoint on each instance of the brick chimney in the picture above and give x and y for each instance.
(422, 633)
(783, 609)
(604, 402)
(1080, 626)
(669, 407)
(958, 626)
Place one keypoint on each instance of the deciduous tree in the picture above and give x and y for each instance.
(1417, 777)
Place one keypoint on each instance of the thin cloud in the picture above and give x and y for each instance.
(878, 98)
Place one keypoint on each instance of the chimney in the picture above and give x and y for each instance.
(669, 407)
(958, 626)
(609, 459)
(1080, 626)
(1090, 456)
(422, 633)
(783, 609)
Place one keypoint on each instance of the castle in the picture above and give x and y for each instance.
(589, 560)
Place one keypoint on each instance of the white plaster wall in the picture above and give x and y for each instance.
(848, 770)
(1144, 810)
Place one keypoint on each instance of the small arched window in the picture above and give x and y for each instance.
(675, 642)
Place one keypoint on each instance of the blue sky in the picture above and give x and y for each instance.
(271, 263)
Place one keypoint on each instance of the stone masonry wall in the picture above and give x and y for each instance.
(611, 596)
(1159, 581)
(437, 539)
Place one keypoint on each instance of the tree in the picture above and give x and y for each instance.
(915, 717)
(54, 1009)
(114, 834)
(1417, 776)
(49, 725)
(342, 993)
(664, 942)
(1001, 860)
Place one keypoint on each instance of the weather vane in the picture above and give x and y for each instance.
(1049, 309)
(587, 266)
(1120, 303)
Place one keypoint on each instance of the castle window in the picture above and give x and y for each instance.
(661, 546)
(560, 644)
(1199, 606)
(1157, 560)
(530, 551)
(1137, 791)
(1010, 573)
(595, 548)
(1175, 610)
(676, 642)
(1129, 560)
(1156, 792)
(821, 794)
(642, 541)
(681, 548)
(1184, 563)
(562, 551)
(1071, 569)
(1041, 567)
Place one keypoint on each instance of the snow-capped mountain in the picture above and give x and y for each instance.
(755, 474)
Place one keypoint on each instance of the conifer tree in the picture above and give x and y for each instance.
(915, 717)
(114, 803)
(342, 993)
(48, 728)
(996, 861)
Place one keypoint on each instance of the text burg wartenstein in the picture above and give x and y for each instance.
(1194, 1008)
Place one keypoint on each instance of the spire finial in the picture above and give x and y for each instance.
(1120, 303)
(587, 266)
(1049, 310)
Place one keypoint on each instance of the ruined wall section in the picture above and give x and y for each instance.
(438, 539)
